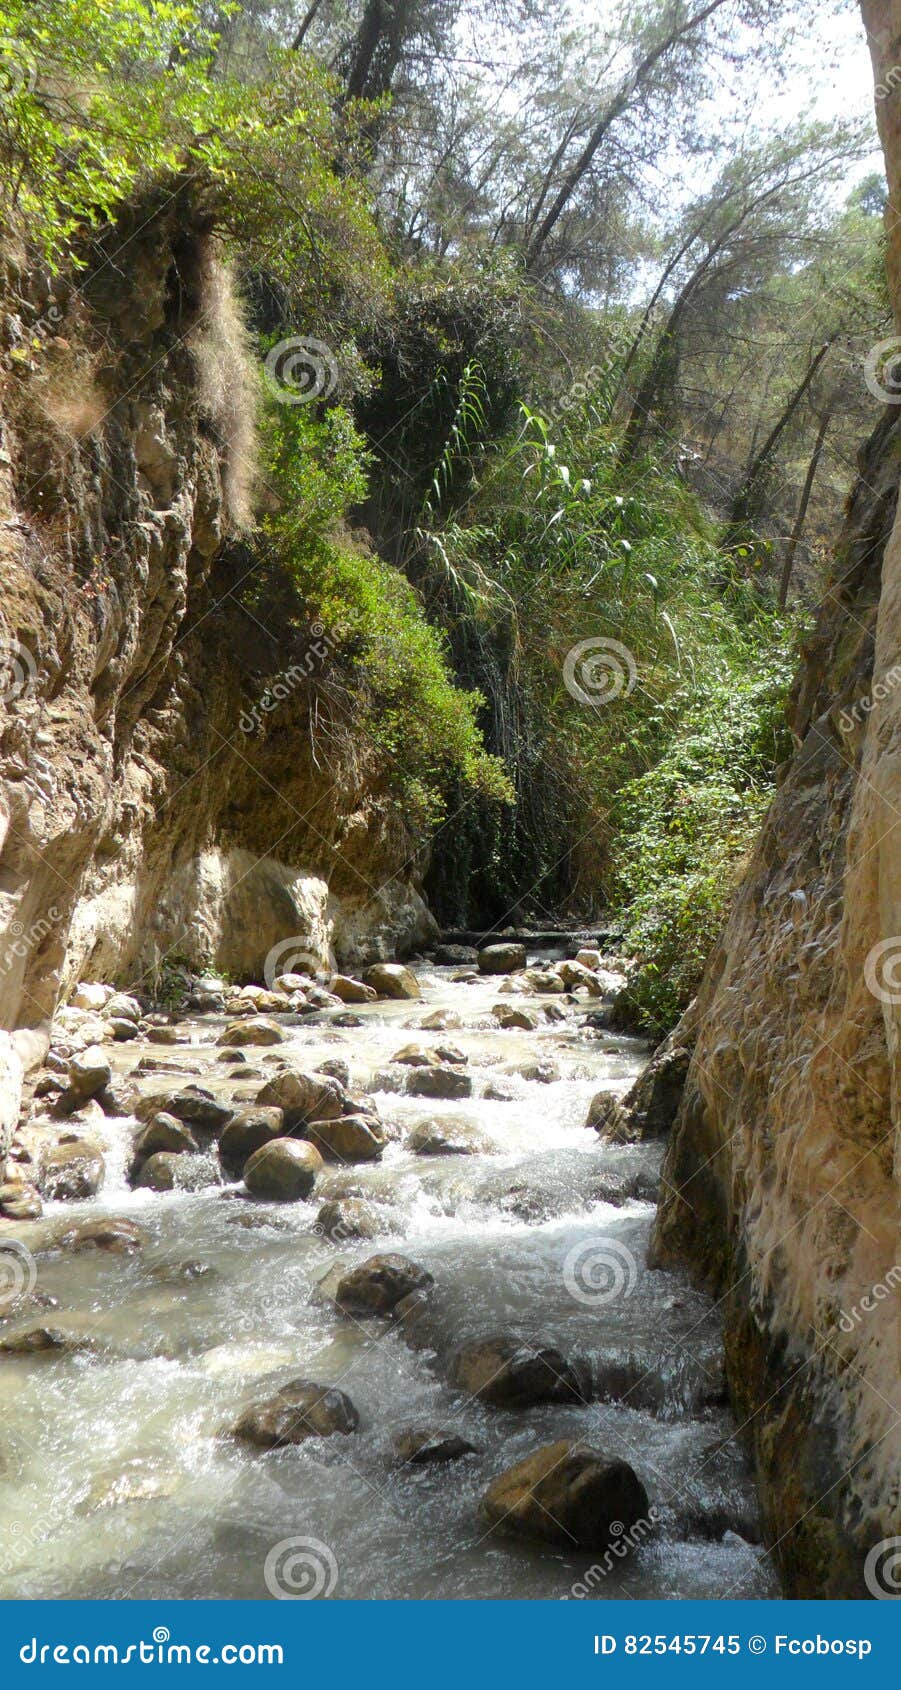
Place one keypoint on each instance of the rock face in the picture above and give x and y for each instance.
(570, 1494)
(778, 1183)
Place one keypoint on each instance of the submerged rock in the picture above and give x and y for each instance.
(283, 1170)
(425, 1448)
(299, 1410)
(570, 1494)
(379, 1284)
(71, 1172)
(115, 1236)
(511, 1374)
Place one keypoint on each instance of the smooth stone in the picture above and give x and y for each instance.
(570, 1494)
(122, 1005)
(350, 1138)
(176, 1170)
(542, 1069)
(70, 1172)
(123, 1030)
(90, 995)
(454, 956)
(88, 1073)
(247, 1131)
(575, 974)
(350, 990)
(543, 980)
(193, 1104)
(392, 980)
(441, 1021)
(502, 959)
(23, 1203)
(447, 1138)
(256, 1031)
(117, 1237)
(337, 1069)
(345, 1218)
(164, 1132)
(163, 1036)
(299, 1410)
(415, 1448)
(303, 1097)
(438, 1082)
(283, 1171)
(589, 958)
(508, 1373)
(509, 1017)
(379, 1284)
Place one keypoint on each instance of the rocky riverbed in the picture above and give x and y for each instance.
(334, 1289)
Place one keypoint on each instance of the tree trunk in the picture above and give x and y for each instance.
(798, 529)
(742, 505)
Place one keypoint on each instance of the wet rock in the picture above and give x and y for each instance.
(134, 1481)
(649, 1109)
(554, 1012)
(206, 1003)
(350, 990)
(350, 1138)
(192, 1104)
(379, 1284)
(247, 1131)
(392, 980)
(429, 1447)
(41, 1336)
(178, 1273)
(337, 1069)
(170, 1170)
(502, 959)
(88, 1073)
(412, 1056)
(510, 1017)
(116, 1237)
(347, 1018)
(589, 958)
(570, 1494)
(348, 1217)
(164, 1132)
(438, 1082)
(290, 985)
(542, 1069)
(122, 1030)
(163, 1036)
(69, 1172)
(454, 956)
(574, 974)
(441, 1021)
(543, 980)
(303, 1097)
(446, 1137)
(283, 1171)
(511, 1374)
(299, 1410)
(122, 1006)
(497, 1092)
(255, 1031)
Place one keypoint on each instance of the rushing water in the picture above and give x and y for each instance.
(116, 1480)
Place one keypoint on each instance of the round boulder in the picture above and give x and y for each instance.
(247, 1131)
(438, 1081)
(347, 1217)
(176, 1170)
(392, 980)
(502, 959)
(379, 1284)
(256, 1030)
(299, 1410)
(447, 1138)
(283, 1170)
(351, 1138)
(69, 1172)
(115, 1237)
(511, 1374)
(303, 1097)
(568, 1493)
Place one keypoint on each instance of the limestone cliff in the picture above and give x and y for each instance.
(154, 797)
(780, 1177)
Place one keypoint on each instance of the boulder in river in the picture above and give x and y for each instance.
(454, 956)
(299, 1410)
(575, 974)
(176, 1170)
(164, 1132)
(440, 1021)
(447, 1137)
(502, 959)
(256, 1030)
(345, 1218)
(71, 1171)
(193, 1104)
(47, 1335)
(392, 980)
(350, 1138)
(509, 1373)
(543, 980)
(418, 1447)
(20, 1201)
(351, 991)
(438, 1081)
(379, 1284)
(509, 1016)
(115, 1236)
(245, 1133)
(303, 1097)
(88, 1073)
(570, 1494)
(337, 1069)
(283, 1170)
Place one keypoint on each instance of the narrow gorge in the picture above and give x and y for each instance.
(450, 779)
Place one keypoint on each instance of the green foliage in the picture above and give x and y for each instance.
(404, 701)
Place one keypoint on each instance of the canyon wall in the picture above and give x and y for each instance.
(780, 1182)
(178, 770)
